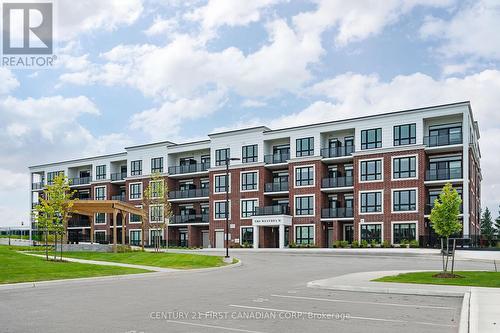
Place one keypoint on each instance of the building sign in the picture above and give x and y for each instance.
(271, 221)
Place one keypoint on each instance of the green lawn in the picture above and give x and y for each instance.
(474, 278)
(16, 267)
(161, 259)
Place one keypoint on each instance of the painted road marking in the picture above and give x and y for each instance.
(213, 326)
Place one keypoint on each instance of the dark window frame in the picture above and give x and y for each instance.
(365, 228)
(299, 147)
(134, 194)
(410, 139)
(217, 212)
(398, 173)
(249, 186)
(397, 236)
(98, 218)
(300, 210)
(245, 239)
(136, 168)
(157, 165)
(100, 172)
(301, 238)
(376, 143)
(245, 213)
(218, 188)
(222, 155)
(100, 196)
(309, 180)
(376, 175)
(246, 157)
(376, 207)
(399, 206)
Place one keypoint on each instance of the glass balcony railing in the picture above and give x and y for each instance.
(119, 197)
(443, 174)
(428, 208)
(80, 181)
(276, 187)
(190, 168)
(443, 140)
(191, 218)
(337, 212)
(272, 210)
(118, 176)
(337, 182)
(337, 151)
(37, 186)
(276, 158)
(186, 194)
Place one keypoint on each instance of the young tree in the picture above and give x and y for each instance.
(487, 229)
(497, 224)
(156, 206)
(44, 216)
(445, 218)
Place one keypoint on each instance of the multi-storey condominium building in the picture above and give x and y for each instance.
(370, 178)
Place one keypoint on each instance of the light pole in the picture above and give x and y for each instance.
(228, 160)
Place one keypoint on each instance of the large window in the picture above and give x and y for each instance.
(371, 202)
(135, 237)
(304, 205)
(247, 236)
(405, 134)
(99, 236)
(371, 232)
(136, 168)
(100, 218)
(221, 155)
(403, 231)
(371, 138)
(404, 200)
(404, 167)
(157, 165)
(156, 189)
(135, 218)
(371, 170)
(156, 213)
(248, 207)
(52, 175)
(220, 184)
(249, 154)
(220, 209)
(305, 147)
(100, 193)
(100, 172)
(304, 176)
(304, 234)
(136, 191)
(249, 181)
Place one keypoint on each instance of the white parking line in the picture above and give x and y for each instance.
(360, 302)
(350, 317)
(213, 326)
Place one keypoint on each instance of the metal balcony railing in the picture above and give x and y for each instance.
(443, 140)
(119, 197)
(190, 168)
(337, 212)
(272, 210)
(276, 158)
(185, 194)
(80, 181)
(276, 187)
(443, 174)
(78, 223)
(191, 218)
(428, 208)
(337, 182)
(337, 151)
(118, 176)
(37, 186)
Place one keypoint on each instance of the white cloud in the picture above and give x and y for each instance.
(253, 103)
(162, 26)
(8, 81)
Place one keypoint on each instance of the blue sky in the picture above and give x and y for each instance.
(134, 71)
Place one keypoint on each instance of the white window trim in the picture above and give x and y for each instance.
(403, 156)
(381, 230)
(229, 184)
(295, 204)
(247, 226)
(229, 208)
(241, 206)
(130, 191)
(295, 167)
(154, 229)
(150, 214)
(105, 219)
(96, 231)
(154, 181)
(241, 181)
(403, 222)
(371, 213)
(130, 215)
(381, 170)
(105, 192)
(304, 225)
(404, 189)
(129, 232)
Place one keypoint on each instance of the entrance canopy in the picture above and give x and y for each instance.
(280, 221)
(91, 207)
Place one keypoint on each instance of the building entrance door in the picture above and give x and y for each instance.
(329, 237)
(348, 233)
(219, 239)
(204, 239)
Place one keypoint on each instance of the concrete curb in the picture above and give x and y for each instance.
(464, 325)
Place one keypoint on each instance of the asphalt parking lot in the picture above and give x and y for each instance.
(267, 293)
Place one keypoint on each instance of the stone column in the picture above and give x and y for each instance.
(255, 237)
(282, 236)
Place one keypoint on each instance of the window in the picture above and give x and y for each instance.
(100, 218)
(404, 167)
(405, 134)
(156, 213)
(136, 168)
(249, 181)
(100, 172)
(247, 236)
(249, 154)
(135, 237)
(305, 147)
(205, 160)
(371, 138)
(220, 184)
(100, 236)
(304, 234)
(221, 155)
(157, 165)
(135, 191)
(220, 209)
(52, 175)
(135, 218)
(248, 207)
(403, 231)
(405, 200)
(371, 202)
(304, 176)
(156, 189)
(100, 193)
(371, 170)
(371, 232)
(304, 205)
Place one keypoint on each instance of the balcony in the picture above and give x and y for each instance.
(276, 158)
(80, 181)
(329, 213)
(78, 223)
(443, 140)
(190, 168)
(428, 208)
(272, 210)
(37, 186)
(191, 218)
(443, 174)
(186, 194)
(118, 176)
(337, 182)
(276, 187)
(119, 197)
(337, 151)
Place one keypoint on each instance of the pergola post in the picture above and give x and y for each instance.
(124, 219)
(115, 216)
(91, 220)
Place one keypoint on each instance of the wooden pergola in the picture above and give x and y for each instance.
(91, 207)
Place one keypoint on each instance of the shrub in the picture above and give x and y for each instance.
(373, 243)
(364, 243)
(414, 243)
(355, 244)
(292, 245)
(386, 244)
(344, 244)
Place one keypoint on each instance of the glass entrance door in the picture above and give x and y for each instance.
(348, 233)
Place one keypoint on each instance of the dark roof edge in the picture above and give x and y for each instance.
(79, 160)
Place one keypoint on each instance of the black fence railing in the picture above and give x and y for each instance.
(428, 208)
(190, 168)
(276, 187)
(78, 224)
(37, 186)
(118, 176)
(465, 241)
(185, 194)
(191, 218)
(443, 174)
(80, 181)
(337, 151)
(276, 158)
(272, 210)
(443, 140)
(337, 212)
(337, 182)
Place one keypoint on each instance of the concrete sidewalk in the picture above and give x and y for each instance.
(480, 308)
